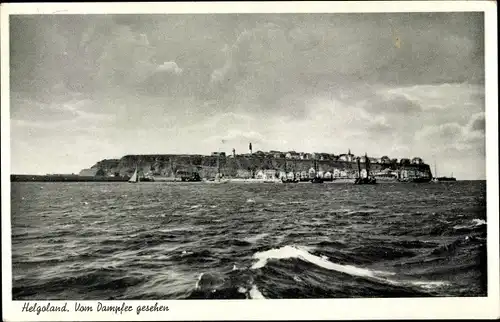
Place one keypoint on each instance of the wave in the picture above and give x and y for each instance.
(253, 239)
(233, 286)
(479, 222)
(475, 224)
(288, 252)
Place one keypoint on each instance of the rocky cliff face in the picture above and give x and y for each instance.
(239, 166)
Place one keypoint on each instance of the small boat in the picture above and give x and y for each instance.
(135, 177)
(317, 178)
(219, 176)
(368, 179)
(444, 179)
(289, 180)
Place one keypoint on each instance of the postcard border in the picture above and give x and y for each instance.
(403, 308)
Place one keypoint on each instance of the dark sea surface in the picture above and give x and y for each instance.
(111, 241)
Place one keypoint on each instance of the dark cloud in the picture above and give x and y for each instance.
(478, 123)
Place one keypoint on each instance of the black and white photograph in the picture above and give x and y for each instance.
(263, 155)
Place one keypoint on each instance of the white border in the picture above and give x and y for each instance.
(403, 308)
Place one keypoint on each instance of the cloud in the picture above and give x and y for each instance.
(453, 136)
(477, 123)
(170, 66)
(312, 82)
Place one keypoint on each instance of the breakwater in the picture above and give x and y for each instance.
(64, 178)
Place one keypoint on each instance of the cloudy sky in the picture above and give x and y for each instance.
(89, 87)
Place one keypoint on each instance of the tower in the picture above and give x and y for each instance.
(250, 147)
(234, 153)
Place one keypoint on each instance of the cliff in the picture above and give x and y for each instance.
(167, 165)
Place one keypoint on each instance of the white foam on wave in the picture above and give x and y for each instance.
(253, 239)
(475, 221)
(301, 253)
(250, 200)
(479, 222)
(197, 285)
(255, 294)
(287, 252)
(195, 207)
(427, 284)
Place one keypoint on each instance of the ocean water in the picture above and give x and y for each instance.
(111, 241)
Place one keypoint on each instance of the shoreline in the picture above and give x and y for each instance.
(164, 180)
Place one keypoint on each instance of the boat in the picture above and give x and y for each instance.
(187, 176)
(134, 178)
(219, 177)
(343, 180)
(442, 179)
(317, 178)
(368, 179)
(289, 180)
(385, 176)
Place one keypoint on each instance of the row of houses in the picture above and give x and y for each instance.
(347, 157)
(334, 173)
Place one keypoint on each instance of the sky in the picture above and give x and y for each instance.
(89, 87)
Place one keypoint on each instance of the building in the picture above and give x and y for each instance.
(349, 157)
(305, 156)
(292, 155)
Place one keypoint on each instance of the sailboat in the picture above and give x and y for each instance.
(288, 180)
(135, 177)
(218, 177)
(316, 178)
(442, 179)
(369, 179)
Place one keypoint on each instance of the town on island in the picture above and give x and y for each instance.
(259, 166)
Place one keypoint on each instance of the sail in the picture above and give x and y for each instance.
(367, 165)
(218, 167)
(134, 177)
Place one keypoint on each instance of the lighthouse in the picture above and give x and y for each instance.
(250, 147)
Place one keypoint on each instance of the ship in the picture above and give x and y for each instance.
(187, 176)
(219, 177)
(368, 179)
(317, 178)
(286, 179)
(442, 179)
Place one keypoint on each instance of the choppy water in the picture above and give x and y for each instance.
(162, 241)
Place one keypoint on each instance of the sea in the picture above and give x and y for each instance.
(159, 241)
